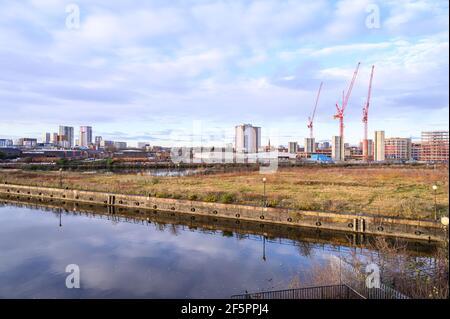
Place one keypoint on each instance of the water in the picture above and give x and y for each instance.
(125, 258)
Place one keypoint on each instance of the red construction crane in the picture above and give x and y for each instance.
(365, 119)
(341, 109)
(311, 118)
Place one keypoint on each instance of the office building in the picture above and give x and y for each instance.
(98, 141)
(46, 139)
(6, 143)
(27, 142)
(379, 146)
(62, 141)
(106, 144)
(398, 148)
(325, 145)
(247, 138)
(85, 136)
(434, 146)
(54, 139)
(66, 136)
(337, 149)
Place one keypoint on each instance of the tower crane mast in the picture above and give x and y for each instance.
(345, 97)
(365, 119)
(311, 118)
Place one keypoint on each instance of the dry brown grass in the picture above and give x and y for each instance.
(386, 190)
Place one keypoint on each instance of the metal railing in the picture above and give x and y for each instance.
(384, 292)
(319, 292)
(342, 291)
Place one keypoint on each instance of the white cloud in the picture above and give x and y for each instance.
(222, 62)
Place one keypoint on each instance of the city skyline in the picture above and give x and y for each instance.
(133, 84)
(196, 139)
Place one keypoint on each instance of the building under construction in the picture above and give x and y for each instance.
(434, 146)
(398, 148)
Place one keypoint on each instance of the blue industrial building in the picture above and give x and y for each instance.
(321, 158)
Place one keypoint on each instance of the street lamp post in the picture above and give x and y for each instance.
(60, 178)
(435, 201)
(264, 197)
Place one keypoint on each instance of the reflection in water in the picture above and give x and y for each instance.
(149, 254)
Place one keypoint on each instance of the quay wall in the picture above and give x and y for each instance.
(428, 230)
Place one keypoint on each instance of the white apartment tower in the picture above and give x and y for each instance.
(85, 136)
(247, 138)
(379, 145)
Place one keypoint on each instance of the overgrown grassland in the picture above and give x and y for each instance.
(405, 191)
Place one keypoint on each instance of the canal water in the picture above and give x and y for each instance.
(126, 259)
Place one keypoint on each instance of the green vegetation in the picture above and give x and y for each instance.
(63, 162)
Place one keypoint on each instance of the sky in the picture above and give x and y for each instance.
(185, 72)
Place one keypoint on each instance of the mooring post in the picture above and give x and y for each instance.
(362, 225)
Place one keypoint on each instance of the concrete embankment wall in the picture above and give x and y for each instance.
(365, 224)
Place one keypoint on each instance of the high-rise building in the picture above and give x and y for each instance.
(379, 146)
(247, 138)
(293, 147)
(324, 145)
(46, 139)
(85, 136)
(398, 148)
(6, 142)
(337, 149)
(62, 141)
(310, 145)
(67, 132)
(98, 141)
(434, 146)
(54, 139)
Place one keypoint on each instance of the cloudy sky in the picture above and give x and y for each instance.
(168, 72)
